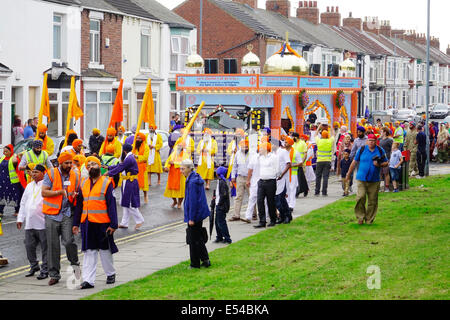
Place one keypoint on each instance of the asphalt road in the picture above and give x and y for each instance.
(157, 212)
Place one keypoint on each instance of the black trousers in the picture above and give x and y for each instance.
(421, 158)
(322, 171)
(197, 248)
(221, 225)
(282, 205)
(267, 190)
(302, 183)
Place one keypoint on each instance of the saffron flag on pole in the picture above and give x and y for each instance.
(45, 104)
(74, 110)
(147, 113)
(117, 113)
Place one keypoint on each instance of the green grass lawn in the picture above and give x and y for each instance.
(325, 255)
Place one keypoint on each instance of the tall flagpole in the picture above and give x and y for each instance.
(427, 95)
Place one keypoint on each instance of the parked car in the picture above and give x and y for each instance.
(404, 115)
(439, 111)
(446, 120)
(164, 152)
(383, 115)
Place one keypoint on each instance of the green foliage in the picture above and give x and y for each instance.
(325, 255)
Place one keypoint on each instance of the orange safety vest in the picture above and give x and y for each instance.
(52, 205)
(94, 204)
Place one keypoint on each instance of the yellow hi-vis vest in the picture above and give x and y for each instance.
(324, 150)
(12, 172)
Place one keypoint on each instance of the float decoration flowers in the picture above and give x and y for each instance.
(340, 99)
(303, 99)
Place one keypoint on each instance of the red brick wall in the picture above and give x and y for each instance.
(220, 34)
(111, 57)
(352, 23)
(308, 10)
(281, 6)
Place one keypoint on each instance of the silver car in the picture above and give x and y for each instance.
(404, 115)
(439, 111)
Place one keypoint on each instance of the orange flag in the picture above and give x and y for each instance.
(117, 113)
(45, 104)
(74, 110)
(147, 113)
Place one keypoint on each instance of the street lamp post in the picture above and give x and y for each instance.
(427, 94)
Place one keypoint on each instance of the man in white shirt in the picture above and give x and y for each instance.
(239, 174)
(267, 184)
(252, 185)
(284, 165)
(31, 213)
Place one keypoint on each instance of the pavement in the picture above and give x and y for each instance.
(144, 252)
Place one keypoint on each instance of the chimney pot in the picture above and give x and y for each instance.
(337, 9)
(350, 14)
(305, 4)
(300, 4)
(328, 9)
(315, 4)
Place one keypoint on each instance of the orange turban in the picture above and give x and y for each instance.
(243, 143)
(264, 139)
(363, 120)
(141, 135)
(325, 134)
(153, 127)
(80, 159)
(208, 131)
(77, 142)
(266, 146)
(92, 159)
(65, 156)
(122, 128)
(110, 148)
(289, 141)
(240, 132)
(304, 137)
(42, 128)
(95, 131)
(337, 123)
(111, 132)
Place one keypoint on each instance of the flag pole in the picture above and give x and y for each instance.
(141, 113)
(43, 101)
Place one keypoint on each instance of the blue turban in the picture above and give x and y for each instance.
(267, 129)
(37, 143)
(178, 126)
(362, 129)
(221, 172)
(127, 147)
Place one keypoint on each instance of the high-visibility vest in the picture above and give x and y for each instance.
(42, 159)
(400, 138)
(13, 177)
(94, 204)
(324, 150)
(293, 155)
(108, 161)
(52, 205)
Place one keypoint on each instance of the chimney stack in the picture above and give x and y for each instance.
(332, 18)
(371, 24)
(251, 3)
(281, 6)
(352, 22)
(397, 33)
(434, 42)
(411, 36)
(385, 28)
(308, 10)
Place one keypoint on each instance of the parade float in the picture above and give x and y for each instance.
(285, 89)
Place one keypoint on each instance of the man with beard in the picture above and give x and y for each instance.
(141, 153)
(155, 144)
(130, 201)
(360, 141)
(48, 144)
(95, 141)
(206, 149)
(36, 156)
(58, 192)
(96, 195)
(121, 135)
(111, 139)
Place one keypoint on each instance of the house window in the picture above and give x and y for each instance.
(211, 66)
(380, 70)
(180, 52)
(323, 71)
(404, 100)
(405, 71)
(57, 35)
(139, 99)
(94, 38)
(98, 104)
(433, 73)
(145, 48)
(229, 66)
(177, 104)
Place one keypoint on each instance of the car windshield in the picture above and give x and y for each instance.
(404, 111)
(440, 107)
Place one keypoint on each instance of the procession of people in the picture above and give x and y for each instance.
(79, 196)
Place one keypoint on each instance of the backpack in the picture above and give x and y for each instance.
(380, 150)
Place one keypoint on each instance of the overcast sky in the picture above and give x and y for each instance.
(403, 14)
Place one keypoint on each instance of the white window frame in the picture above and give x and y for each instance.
(180, 67)
(60, 25)
(59, 100)
(146, 32)
(93, 34)
(98, 102)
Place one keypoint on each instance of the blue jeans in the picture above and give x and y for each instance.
(282, 204)
(221, 226)
(395, 173)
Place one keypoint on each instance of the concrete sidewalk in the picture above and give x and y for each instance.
(144, 253)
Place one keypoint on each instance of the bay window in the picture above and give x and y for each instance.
(179, 53)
